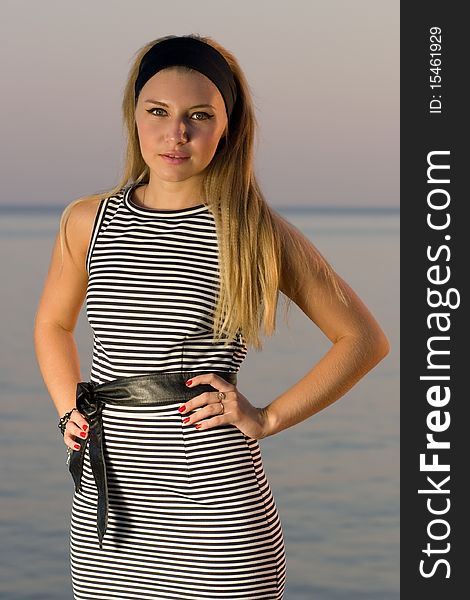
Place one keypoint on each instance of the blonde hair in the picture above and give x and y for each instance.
(254, 240)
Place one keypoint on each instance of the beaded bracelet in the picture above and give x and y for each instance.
(63, 420)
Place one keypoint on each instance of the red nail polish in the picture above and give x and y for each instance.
(189, 382)
(197, 426)
(83, 434)
(182, 408)
(186, 420)
(85, 427)
(77, 446)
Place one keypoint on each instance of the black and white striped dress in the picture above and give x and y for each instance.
(191, 513)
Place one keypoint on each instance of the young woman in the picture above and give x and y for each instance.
(181, 266)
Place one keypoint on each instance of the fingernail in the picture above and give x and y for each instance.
(197, 426)
(85, 427)
(186, 420)
(182, 408)
(83, 434)
(76, 446)
(189, 382)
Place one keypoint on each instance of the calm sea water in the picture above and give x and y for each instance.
(335, 476)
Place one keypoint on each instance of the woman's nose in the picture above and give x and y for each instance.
(177, 131)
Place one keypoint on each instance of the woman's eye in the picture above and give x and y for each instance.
(206, 116)
(150, 110)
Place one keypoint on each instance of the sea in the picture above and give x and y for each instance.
(334, 476)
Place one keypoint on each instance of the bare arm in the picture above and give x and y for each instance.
(358, 345)
(57, 314)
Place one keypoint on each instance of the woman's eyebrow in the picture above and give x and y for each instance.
(166, 105)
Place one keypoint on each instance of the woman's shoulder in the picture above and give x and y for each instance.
(78, 219)
(84, 208)
(83, 211)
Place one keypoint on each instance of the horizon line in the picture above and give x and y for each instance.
(298, 207)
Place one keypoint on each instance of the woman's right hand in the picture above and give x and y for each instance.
(76, 426)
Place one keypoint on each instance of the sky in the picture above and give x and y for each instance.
(324, 76)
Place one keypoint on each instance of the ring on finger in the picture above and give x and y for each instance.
(221, 396)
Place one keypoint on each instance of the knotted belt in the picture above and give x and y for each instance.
(90, 406)
(149, 389)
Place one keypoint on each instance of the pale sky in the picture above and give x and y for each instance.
(324, 75)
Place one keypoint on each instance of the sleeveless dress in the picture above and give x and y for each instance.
(191, 513)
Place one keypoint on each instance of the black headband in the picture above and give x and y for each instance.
(198, 55)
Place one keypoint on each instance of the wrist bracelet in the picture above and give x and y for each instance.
(63, 420)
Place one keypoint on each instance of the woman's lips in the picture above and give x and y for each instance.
(174, 160)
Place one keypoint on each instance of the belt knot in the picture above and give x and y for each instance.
(90, 406)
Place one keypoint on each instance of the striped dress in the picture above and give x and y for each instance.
(191, 513)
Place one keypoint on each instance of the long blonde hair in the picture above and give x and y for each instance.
(254, 239)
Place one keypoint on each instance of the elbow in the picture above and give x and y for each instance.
(378, 346)
(371, 346)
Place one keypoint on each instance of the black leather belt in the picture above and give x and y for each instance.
(149, 389)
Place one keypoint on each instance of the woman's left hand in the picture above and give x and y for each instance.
(237, 410)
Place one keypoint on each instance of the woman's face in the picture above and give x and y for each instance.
(183, 113)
